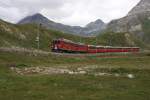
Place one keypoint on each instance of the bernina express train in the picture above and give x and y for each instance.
(64, 45)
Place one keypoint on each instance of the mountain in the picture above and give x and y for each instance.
(91, 28)
(94, 27)
(40, 19)
(136, 22)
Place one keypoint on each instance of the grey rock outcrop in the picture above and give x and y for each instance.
(133, 21)
(142, 6)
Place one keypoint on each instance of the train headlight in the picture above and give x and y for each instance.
(55, 47)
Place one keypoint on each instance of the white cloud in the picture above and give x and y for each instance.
(71, 12)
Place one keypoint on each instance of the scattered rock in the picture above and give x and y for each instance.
(102, 74)
(52, 70)
(71, 72)
(117, 75)
(82, 72)
(131, 76)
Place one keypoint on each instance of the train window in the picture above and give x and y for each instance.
(58, 42)
(92, 47)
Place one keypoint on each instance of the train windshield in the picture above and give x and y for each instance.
(56, 42)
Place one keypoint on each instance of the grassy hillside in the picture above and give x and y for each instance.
(119, 39)
(25, 36)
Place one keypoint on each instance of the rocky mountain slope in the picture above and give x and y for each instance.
(93, 27)
(142, 7)
(136, 22)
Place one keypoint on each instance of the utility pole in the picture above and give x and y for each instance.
(80, 40)
(80, 36)
(110, 40)
(96, 45)
(38, 37)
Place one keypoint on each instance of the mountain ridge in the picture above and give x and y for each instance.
(38, 18)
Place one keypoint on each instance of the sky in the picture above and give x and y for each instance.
(69, 12)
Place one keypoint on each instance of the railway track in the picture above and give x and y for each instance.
(41, 52)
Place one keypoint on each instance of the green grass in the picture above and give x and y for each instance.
(64, 87)
(126, 61)
(75, 87)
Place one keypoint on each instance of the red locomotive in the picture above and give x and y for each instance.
(63, 45)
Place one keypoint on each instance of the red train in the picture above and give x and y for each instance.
(63, 45)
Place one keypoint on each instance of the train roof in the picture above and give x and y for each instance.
(69, 41)
(98, 46)
(114, 47)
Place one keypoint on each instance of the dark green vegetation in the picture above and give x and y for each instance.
(75, 87)
(146, 27)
